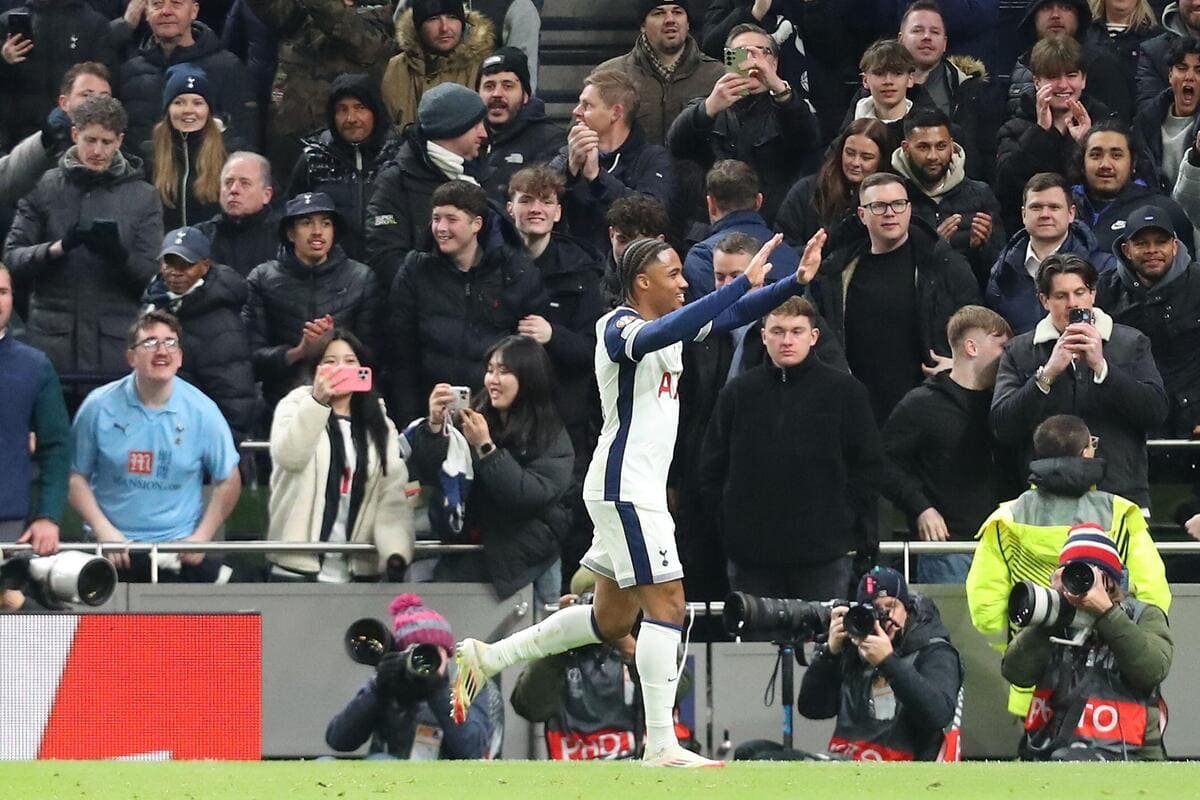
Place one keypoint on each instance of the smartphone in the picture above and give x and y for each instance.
(734, 57)
(20, 23)
(106, 227)
(1081, 315)
(349, 378)
(462, 398)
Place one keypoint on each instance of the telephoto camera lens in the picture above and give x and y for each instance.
(367, 640)
(1030, 604)
(1077, 577)
(774, 619)
(422, 659)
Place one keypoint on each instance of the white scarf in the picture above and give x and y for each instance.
(452, 164)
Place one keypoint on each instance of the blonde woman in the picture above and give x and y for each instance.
(1121, 26)
(188, 149)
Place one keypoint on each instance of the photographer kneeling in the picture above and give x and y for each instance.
(896, 691)
(1097, 696)
(404, 708)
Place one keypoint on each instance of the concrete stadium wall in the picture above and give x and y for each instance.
(307, 676)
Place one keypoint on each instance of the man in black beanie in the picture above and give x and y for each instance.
(519, 135)
(442, 146)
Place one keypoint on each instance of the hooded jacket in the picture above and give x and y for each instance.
(318, 41)
(941, 454)
(216, 354)
(285, 293)
(444, 320)
(1107, 218)
(778, 140)
(346, 171)
(399, 210)
(943, 278)
(1022, 539)
(1108, 81)
(661, 100)
(140, 88)
(956, 194)
(1024, 148)
(529, 138)
(413, 72)
(925, 674)
(1012, 292)
(1168, 313)
(814, 426)
(1152, 67)
(65, 32)
(637, 166)
(81, 304)
(243, 243)
(1121, 410)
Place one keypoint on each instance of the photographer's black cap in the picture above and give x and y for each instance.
(882, 582)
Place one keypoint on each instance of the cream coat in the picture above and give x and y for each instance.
(300, 454)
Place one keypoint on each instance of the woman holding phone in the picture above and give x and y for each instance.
(522, 460)
(337, 475)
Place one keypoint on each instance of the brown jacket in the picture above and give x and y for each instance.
(661, 102)
(412, 72)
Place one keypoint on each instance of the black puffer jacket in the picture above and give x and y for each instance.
(571, 272)
(65, 32)
(398, 212)
(1107, 218)
(1168, 313)
(285, 294)
(798, 220)
(82, 304)
(245, 242)
(515, 510)
(778, 141)
(529, 139)
(140, 88)
(216, 353)
(944, 285)
(346, 171)
(442, 321)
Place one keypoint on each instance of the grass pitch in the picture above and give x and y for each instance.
(307, 780)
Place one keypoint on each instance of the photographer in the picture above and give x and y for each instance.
(1106, 689)
(896, 691)
(405, 711)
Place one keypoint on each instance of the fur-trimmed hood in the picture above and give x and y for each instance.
(477, 43)
(968, 67)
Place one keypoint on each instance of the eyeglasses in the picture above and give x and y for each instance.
(878, 208)
(152, 344)
(750, 48)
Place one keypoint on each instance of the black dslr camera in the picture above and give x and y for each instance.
(779, 619)
(408, 675)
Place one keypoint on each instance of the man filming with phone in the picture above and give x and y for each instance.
(1078, 361)
(889, 674)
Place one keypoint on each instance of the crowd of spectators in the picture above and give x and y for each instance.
(316, 221)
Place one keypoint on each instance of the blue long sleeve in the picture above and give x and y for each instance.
(681, 325)
(755, 304)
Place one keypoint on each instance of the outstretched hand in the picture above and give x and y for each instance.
(810, 260)
(759, 265)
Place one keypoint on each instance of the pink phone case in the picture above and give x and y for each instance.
(351, 379)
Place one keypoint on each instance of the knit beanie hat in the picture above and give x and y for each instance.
(1087, 542)
(508, 59)
(644, 7)
(448, 110)
(424, 9)
(883, 582)
(417, 624)
(188, 79)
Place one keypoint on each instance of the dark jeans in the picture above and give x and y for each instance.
(206, 571)
(825, 581)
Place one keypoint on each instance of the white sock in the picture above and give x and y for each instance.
(657, 664)
(561, 631)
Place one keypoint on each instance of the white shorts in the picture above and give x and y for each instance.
(633, 546)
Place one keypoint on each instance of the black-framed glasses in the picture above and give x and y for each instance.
(150, 345)
(879, 207)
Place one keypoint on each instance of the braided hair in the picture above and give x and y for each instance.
(635, 258)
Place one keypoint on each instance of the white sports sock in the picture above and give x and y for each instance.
(657, 664)
(561, 631)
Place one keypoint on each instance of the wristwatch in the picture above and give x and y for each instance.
(1039, 377)
(486, 449)
(783, 94)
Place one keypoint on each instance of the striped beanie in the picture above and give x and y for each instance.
(1087, 542)
(417, 624)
